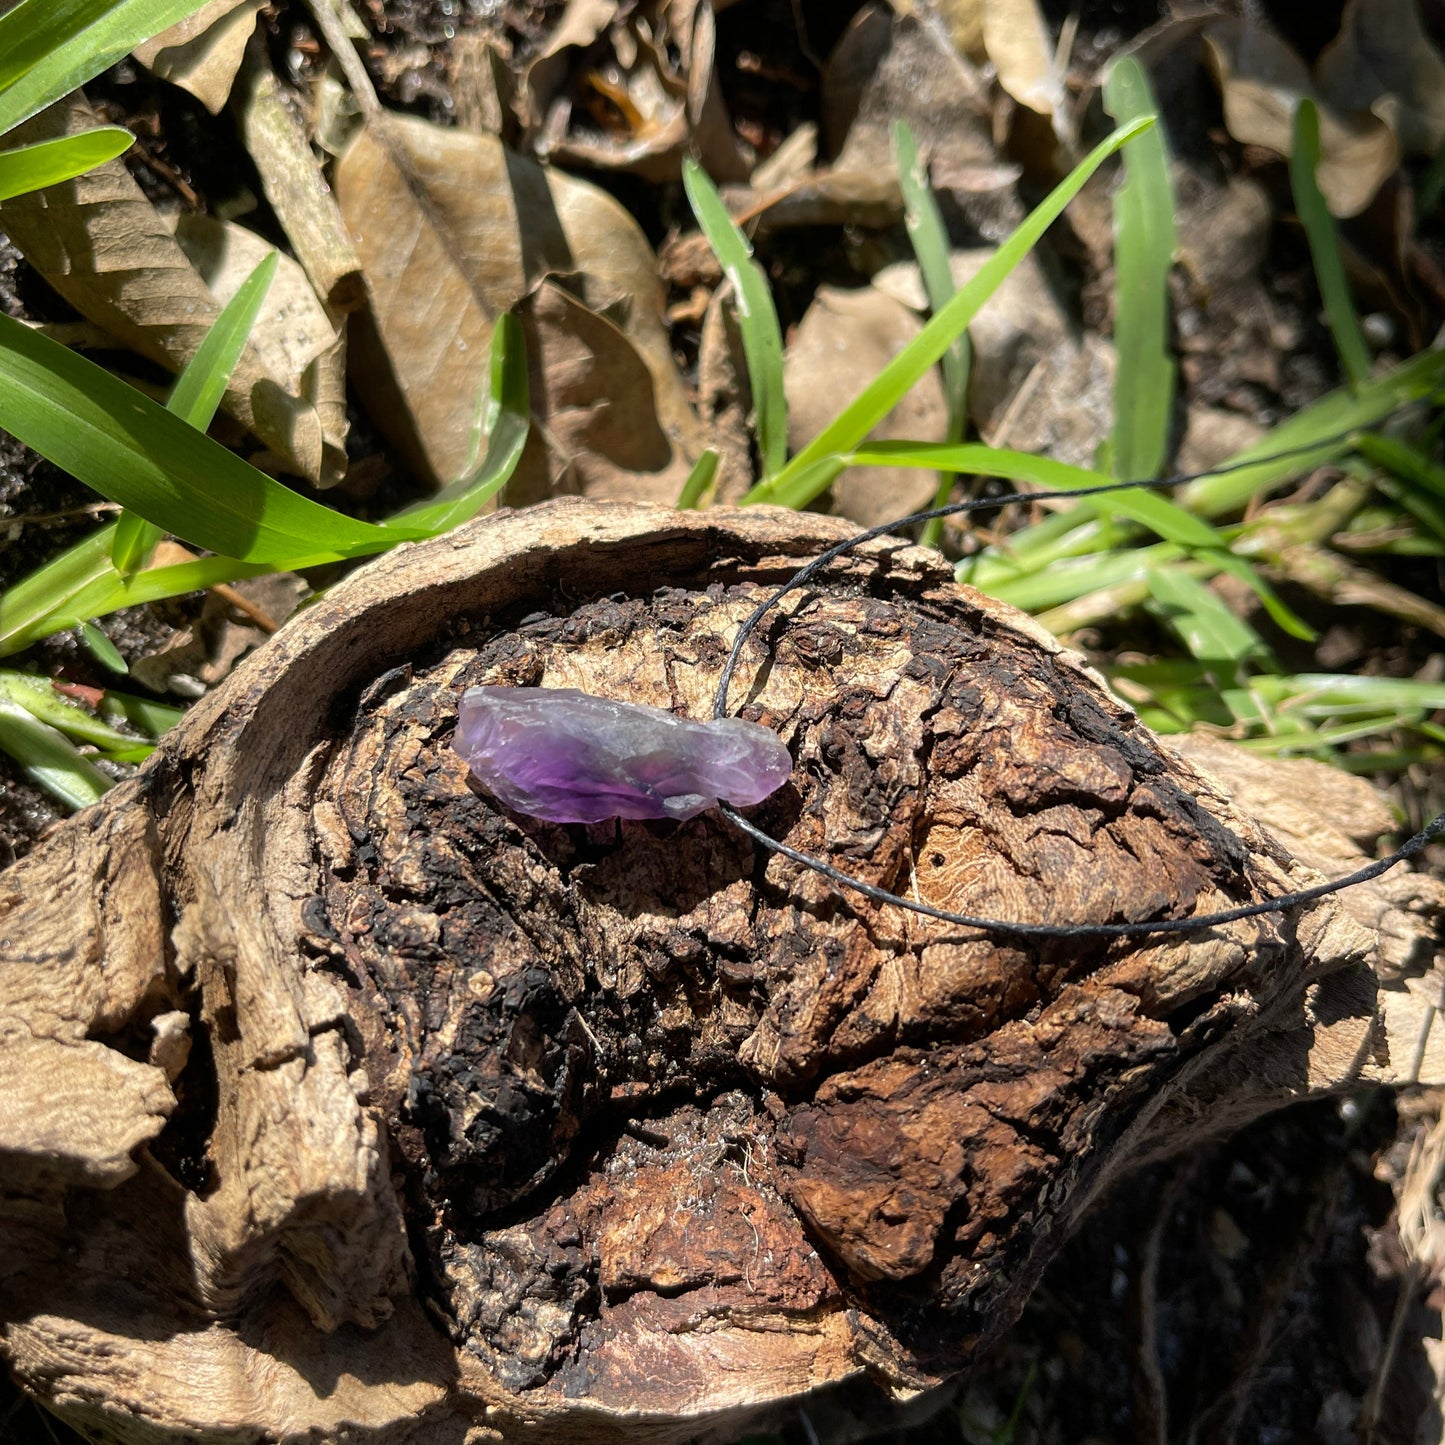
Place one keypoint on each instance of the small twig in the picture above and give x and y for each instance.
(303, 202)
(248, 609)
(327, 15)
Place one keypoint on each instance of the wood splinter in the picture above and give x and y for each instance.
(338, 1102)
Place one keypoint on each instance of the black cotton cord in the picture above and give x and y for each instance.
(1009, 927)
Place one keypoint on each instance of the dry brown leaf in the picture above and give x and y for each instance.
(453, 229)
(1383, 53)
(634, 89)
(843, 341)
(602, 436)
(203, 52)
(965, 25)
(107, 250)
(1263, 82)
(891, 66)
(293, 336)
(1017, 42)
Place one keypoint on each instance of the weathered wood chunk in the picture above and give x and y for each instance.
(460, 1124)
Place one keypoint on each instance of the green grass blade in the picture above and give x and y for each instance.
(929, 238)
(1144, 244)
(52, 588)
(108, 592)
(1318, 430)
(196, 395)
(847, 430)
(118, 441)
(151, 718)
(33, 167)
(507, 420)
(48, 47)
(1283, 617)
(1319, 228)
(1210, 631)
(102, 648)
(49, 759)
(200, 387)
(1405, 461)
(699, 479)
(37, 695)
(1156, 512)
(757, 317)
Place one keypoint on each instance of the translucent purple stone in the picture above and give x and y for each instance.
(563, 755)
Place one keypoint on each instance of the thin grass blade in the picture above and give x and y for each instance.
(1318, 434)
(33, 167)
(1210, 631)
(119, 442)
(48, 47)
(929, 238)
(1153, 511)
(757, 317)
(1144, 243)
(37, 695)
(847, 430)
(699, 479)
(102, 649)
(49, 759)
(52, 587)
(196, 395)
(1319, 228)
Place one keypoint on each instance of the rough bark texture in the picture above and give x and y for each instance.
(336, 1102)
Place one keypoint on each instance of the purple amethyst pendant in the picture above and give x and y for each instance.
(569, 757)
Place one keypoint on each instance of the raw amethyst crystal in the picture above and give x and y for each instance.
(563, 755)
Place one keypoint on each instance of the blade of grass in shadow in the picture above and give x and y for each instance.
(196, 395)
(49, 759)
(101, 648)
(1319, 227)
(1406, 462)
(1206, 627)
(757, 317)
(1313, 436)
(33, 167)
(1144, 243)
(505, 425)
(48, 47)
(699, 479)
(929, 238)
(118, 441)
(1149, 509)
(37, 695)
(847, 430)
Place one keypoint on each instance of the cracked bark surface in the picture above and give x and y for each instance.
(337, 1102)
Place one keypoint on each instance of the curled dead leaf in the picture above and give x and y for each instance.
(452, 229)
(632, 88)
(109, 252)
(203, 52)
(1263, 81)
(1382, 60)
(603, 435)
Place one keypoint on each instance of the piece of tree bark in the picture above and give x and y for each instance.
(338, 1103)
